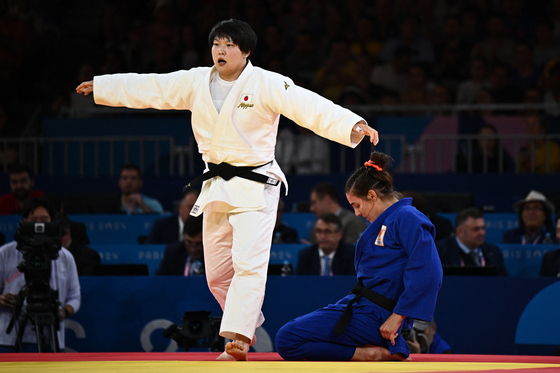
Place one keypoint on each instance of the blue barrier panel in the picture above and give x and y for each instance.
(8, 225)
(101, 228)
(468, 309)
(302, 222)
(131, 254)
(280, 253)
(114, 228)
(496, 224)
(524, 260)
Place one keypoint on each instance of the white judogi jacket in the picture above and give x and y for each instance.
(244, 133)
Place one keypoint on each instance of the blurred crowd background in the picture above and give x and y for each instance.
(352, 51)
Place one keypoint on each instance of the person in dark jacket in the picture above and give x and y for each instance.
(185, 258)
(468, 246)
(329, 256)
(551, 260)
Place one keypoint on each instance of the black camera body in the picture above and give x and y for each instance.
(40, 244)
(199, 329)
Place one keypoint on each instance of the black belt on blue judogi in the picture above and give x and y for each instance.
(227, 171)
(362, 291)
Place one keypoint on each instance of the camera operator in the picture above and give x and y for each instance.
(63, 278)
(423, 339)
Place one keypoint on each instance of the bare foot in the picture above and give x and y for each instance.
(238, 349)
(254, 340)
(376, 353)
(225, 356)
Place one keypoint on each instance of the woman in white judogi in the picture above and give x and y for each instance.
(235, 111)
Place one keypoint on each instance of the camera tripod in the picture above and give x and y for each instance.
(42, 312)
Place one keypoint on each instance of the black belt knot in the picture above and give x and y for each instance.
(362, 291)
(227, 171)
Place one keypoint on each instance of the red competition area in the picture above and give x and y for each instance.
(256, 356)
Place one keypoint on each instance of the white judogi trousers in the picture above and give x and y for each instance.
(236, 255)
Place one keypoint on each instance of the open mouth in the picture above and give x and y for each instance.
(221, 61)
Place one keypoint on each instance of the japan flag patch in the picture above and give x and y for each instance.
(246, 101)
(379, 239)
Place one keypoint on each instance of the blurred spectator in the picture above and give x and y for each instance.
(303, 152)
(282, 233)
(22, 182)
(518, 21)
(468, 90)
(484, 154)
(540, 154)
(498, 47)
(533, 95)
(546, 48)
(440, 95)
(337, 72)
(132, 201)
(393, 75)
(502, 90)
(443, 226)
(186, 257)
(469, 247)
(417, 92)
(365, 44)
(452, 55)
(302, 62)
(170, 229)
(484, 96)
(424, 339)
(524, 73)
(552, 88)
(85, 257)
(551, 259)
(9, 154)
(385, 25)
(274, 46)
(471, 21)
(422, 51)
(324, 198)
(135, 49)
(330, 256)
(535, 221)
(190, 56)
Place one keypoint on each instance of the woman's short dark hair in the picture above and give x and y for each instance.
(239, 32)
(30, 205)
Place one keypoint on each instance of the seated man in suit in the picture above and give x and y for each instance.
(185, 258)
(170, 229)
(329, 256)
(551, 259)
(468, 246)
(324, 198)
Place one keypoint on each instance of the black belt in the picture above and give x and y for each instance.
(227, 171)
(362, 291)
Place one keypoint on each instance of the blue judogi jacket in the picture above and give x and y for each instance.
(397, 258)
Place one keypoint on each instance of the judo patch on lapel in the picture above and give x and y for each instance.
(379, 239)
(246, 101)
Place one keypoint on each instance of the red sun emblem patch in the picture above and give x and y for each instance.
(245, 98)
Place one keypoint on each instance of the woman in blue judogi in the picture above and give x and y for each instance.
(399, 276)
